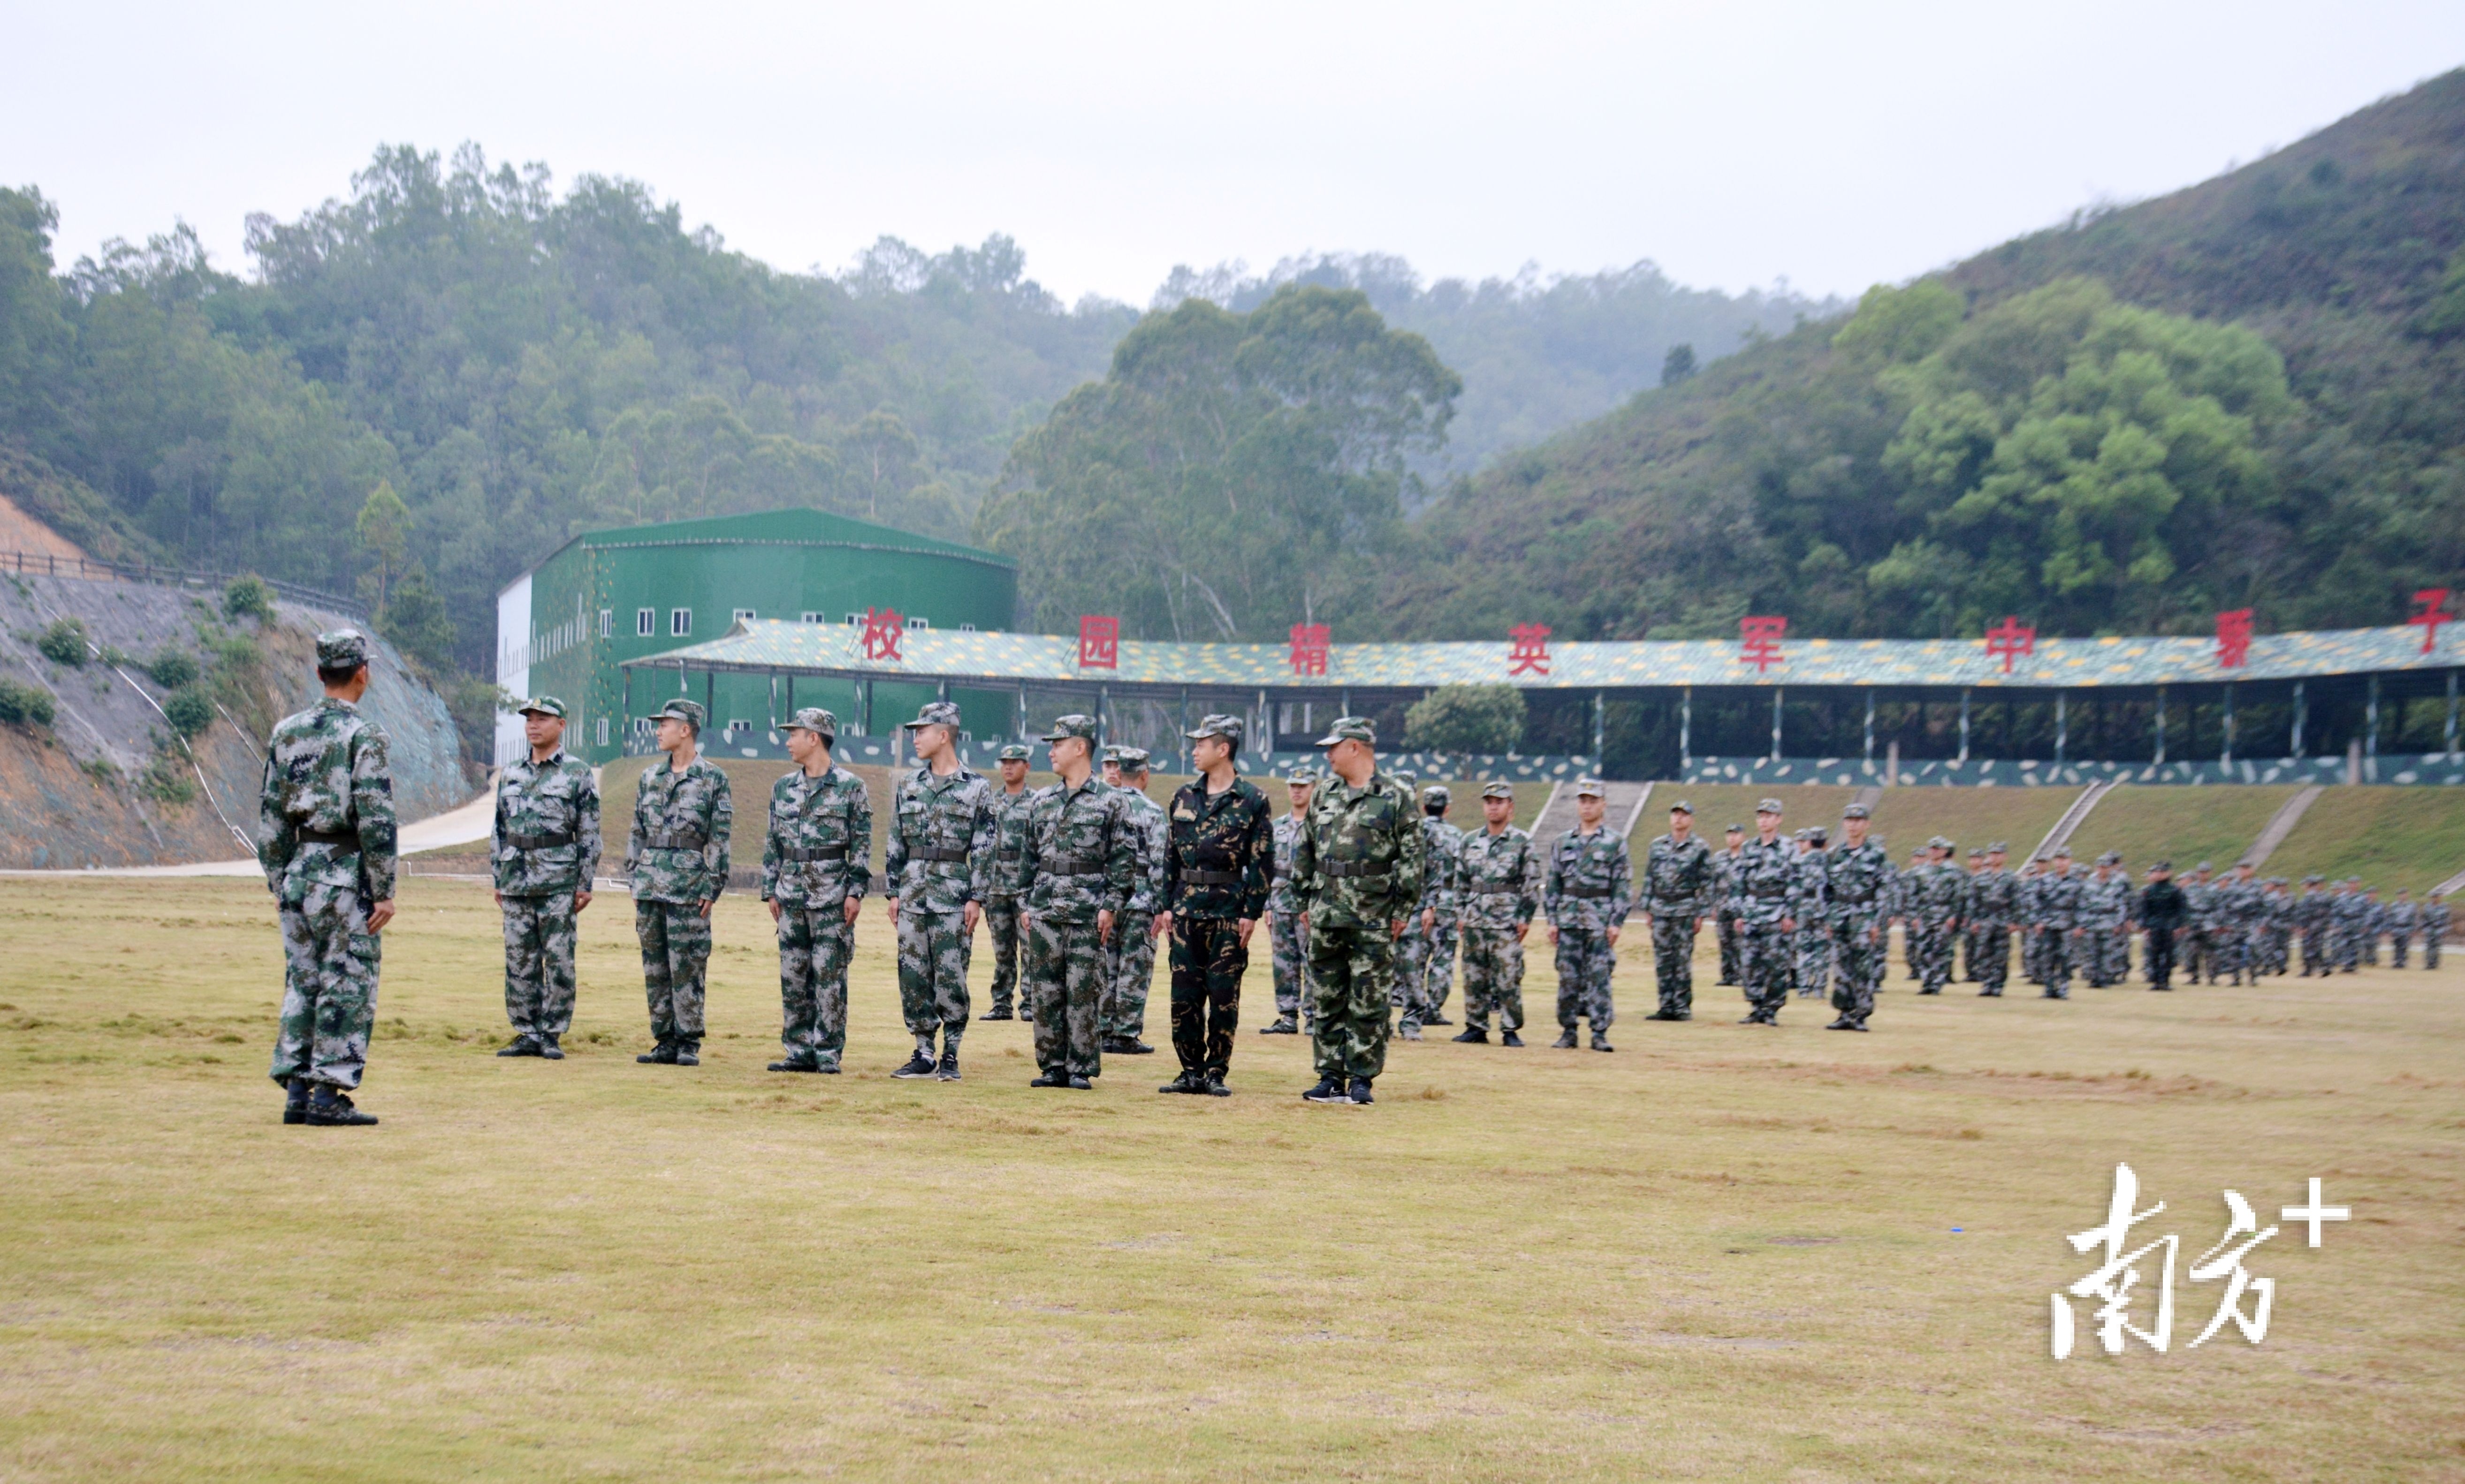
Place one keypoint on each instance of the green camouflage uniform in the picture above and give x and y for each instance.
(938, 859)
(676, 854)
(1677, 882)
(1082, 858)
(2058, 895)
(2434, 930)
(2402, 917)
(1765, 875)
(545, 849)
(1442, 844)
(1287, 935)
(1130, 959)
(1937, 893)
(1002, 898)
(1992, 899)
(2239, 905)
(2105, 923)
(1217, 855)
(1416, 951)
(328, 853)
(1724, 911)
(816, 857)
(1812, 961)
(1587, 890)
(1498, 881)
(1356, 872)
(1856, 883)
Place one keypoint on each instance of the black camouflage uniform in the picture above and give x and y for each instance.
(1218, 850)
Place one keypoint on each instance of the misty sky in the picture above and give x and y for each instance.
(1835, 145)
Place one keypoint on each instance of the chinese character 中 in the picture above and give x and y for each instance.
(2009, 640)
(2432, 610)
(2112, 1281)
(1099, 642)
(1309, 648)
(2234, 638)
(1530, 653)
(882, 630)
(1759, 637)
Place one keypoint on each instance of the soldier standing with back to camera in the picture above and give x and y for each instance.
(1498, 878)
(1082, 859)
(1677, 882)
(329, 856)
(676, 856)
(1357, 870)
(1130, 964)
(1217, 855)
(1287, 935)
(816, 866)
(544, 851)
(936, 867)
(1001, 885)
(1856, 894)
(1586, 894)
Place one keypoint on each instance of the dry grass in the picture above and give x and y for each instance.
(1717, 1253)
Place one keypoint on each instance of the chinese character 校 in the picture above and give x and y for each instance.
(1099, 642)
(883, 631)
(1530, 652)
(2009, 640)
(2234, 638)
(1309, 648)
(2430, 610)
(1759, 637)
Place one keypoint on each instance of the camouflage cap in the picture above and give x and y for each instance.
(1216, 723)
(1349, 729)
(2166, 867)
(1857, 811)
(935, 713)
(1999, 848)
(2059, 853)
(543, 705)
(1818, 835)
(1436, 793)
(813, 719)
(1074, 724)
(341, 649)
(1301, 778)
(2110, 859)
(1938, 843)
(1733, 830)
(1799, 834)
(1501, 789)
(2204, 866)
(1590, 788)
(1681, 807)
(1767, 807)
(1134, 760)
(2315, 880)
(1111, 753)
(1015, 752)
(689, 712)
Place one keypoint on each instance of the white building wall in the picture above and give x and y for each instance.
(513, 664)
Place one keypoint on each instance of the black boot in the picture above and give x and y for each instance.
(664, 1055)
(688, 1053)
(1601, 1043)
(329, 1107)
(548, 1047)
(1189, 1082)
(1281, 1027)
(523, 1045)
(1051, 1080)
(1509, 1038)
(997, 1012)
(1475, 1036)
(795, 1064)
(1215, 1087)
(1434, 1019)
(1565, 1041)
(295, 1101)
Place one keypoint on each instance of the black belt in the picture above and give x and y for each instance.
(677, 842)
(1212, 877)
(1073, 867)
(823, 852)
(937, 853)
(347, 839)
(539, 842)
(1496, 888)
(1354, 868)
(1585, 890)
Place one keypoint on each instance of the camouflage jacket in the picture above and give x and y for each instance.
(2200, 898)
(1083, 851)
(2349, 909)
(939, 856)
(1218, 852)
(326, 775)
(2434, 922)
(2241, 903)
(1590, 880)
(1993, 897)
(2311, 910)
(1677, 879)
(2106, 903)
(1009, 841)
(2402, 916)
(1497, 879)
(1937, 891)
(1810, 898)
(1358, 861)
(1724, 882)
(545, 842)
(678, 850)
(1280, 897)
(1147, 820)
(1856, 882)
(2058, 901)
(1765, 876)
(818, 850)
(1441, 843)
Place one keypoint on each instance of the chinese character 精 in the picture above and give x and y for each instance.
(882, 630)
(1099, 642)
(1309, 648)
(1759, 637)
(1530, 653)
(2009, 640)
(2234, 638)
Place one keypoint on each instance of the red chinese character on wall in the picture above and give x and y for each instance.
(883, 628)
(2431, 604)
(1099, 642)
(1309, 648)
(1530, 653)
(2234, 638)
(1759, 637)
(2009, 640)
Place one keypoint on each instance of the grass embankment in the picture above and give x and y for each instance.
(2389, 836)
(2186, 824)
(1722, 1252)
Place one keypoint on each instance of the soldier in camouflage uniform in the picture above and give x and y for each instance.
(1357, 871)
(2435, 928)
(544, 851)
(1813, 959)
(1000, 887)
(2240, 904)
(1994, 899)
(1082, 863)
(676, 856)
(2104, 920)
(937, 866)
(2276, 928)
(1417, 949)
(1766, 875)
(1677, 884)
(1909, 889)
(1969, 920)
(1851, 887)
(327, 808)
(816, 866)
(1724, 896)
(1939, 889)
(2058, 923)
(1441, 907)
(1586, 894)
(2402, 919)
(2201, 892)
(2311, 921)
(1130, 959)
(1217, 855)
(2374, 925)
(2344, 913)
(1497, 882)
(1287, 935)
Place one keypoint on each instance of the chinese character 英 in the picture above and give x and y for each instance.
(1530, 651)
(1309, 648)
(2112, 1280)
(1759, 637)
(883, 629)
(1099, 642)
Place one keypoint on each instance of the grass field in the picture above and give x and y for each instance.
(1717, 1253)
(2184, 825)
(2388, 836)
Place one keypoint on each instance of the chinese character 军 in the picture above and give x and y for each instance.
(1309, 648)
(2010, 640)
(2234, 638)
(1530, 653)
(2112, 1281)
(882, 630)
(1759, 637)
(1099, 642)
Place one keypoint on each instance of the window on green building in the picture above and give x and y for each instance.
(646, 622)
(680, 622)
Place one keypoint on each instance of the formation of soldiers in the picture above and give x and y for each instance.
(1366, 891)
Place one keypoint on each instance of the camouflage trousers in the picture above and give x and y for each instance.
(2316, 957)
(1129, 973)
(1859, 946)
(2193, 952)
(1968, 952)
(329, 989)
(2054, 961)
(1411, 961)
(933, 949)
(1991, 956)
(1065, 983)
(815, 946)
(539, 963)
(676, 955)
(2399, 944)
(1493, 960)
(2430, 948)
(2278, 949)
(2097, 948)
(1930, 953)
(1764, 959)
(1673, 961)
(1001, 924)
(2349, 947)
(1725, 926)
(1351, 976)
(1208, 960)
(1288, 952)
(1586, 966)
(1438, 968)
(1813, 967)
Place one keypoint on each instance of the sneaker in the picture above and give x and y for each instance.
(1565, 1041)
(1436, 1020)
(1215, 1086)
(550, 1049)
(295, 1101)
(995, 1013)
(1476, 1036)
(946, 1070)
(1280, 1027)
(688, 1057)
(665, 1055)
(1360, 1092)
(331, 1108)
(1187, 1082)
(794, 1064)
(1328, 1090)
(917, 1065)
(1080, 1085)
(1601, 1043)
(520, 1046)
(1509, 1038)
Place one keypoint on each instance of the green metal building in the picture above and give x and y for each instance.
(565, 627)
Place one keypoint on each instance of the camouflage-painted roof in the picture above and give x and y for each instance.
(958, 656)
